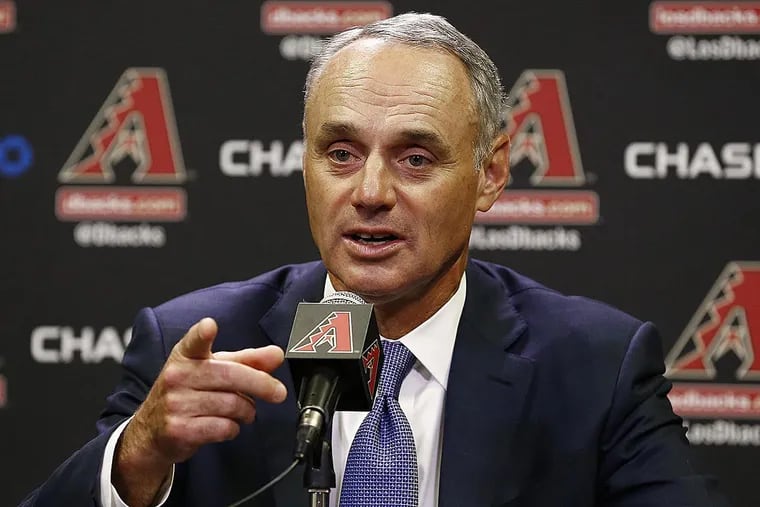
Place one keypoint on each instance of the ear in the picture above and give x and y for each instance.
(494, 175)
(303, 164)
(303, 153)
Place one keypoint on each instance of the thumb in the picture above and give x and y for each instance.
(196, 344)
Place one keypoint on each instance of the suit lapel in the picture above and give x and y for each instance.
(486, 391)
(308, 285)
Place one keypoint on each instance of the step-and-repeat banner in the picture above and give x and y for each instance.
(151, 148)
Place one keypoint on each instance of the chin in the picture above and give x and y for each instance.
(373, 288)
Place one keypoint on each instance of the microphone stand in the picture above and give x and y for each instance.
(319, 475)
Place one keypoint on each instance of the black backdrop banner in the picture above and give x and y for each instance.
(152, 148)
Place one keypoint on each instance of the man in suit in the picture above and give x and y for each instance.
(517, 395)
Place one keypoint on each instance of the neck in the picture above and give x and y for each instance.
(397, 317)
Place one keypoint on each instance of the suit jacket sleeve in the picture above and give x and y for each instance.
(644, 450)
(76, 481)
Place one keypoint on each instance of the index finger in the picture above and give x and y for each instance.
(230, 376)
(266, 359)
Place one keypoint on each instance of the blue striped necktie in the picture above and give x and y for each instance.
(381, 470)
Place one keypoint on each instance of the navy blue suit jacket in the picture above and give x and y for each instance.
(551, 401)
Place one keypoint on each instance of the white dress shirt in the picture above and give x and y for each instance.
(422, 397)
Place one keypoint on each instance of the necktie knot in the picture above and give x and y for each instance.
(397, 363)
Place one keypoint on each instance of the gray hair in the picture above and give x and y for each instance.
(431, 32)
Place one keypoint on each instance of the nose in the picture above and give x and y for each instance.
(374, 188)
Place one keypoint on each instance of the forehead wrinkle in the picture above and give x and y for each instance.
(387, 108)
(416, 120)
(423, 117)
(390, 106)
(370, 86)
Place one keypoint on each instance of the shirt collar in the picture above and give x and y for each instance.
(432, 342)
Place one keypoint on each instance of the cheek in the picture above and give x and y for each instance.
(456, 200)
(317, 190)
(446, 218)
(452, 216)
(324, 202)
(314, 206)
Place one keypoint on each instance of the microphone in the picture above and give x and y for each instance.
(335, 356)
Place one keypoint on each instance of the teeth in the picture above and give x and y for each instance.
(373, 237)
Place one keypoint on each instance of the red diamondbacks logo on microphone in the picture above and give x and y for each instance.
(370, 360)
(332, 335)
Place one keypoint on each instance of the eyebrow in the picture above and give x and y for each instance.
(422, 137)
(337, 129)
(429, 139)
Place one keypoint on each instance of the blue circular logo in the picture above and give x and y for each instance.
(15, 156)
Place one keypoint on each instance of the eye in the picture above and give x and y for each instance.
(341, 155)
(416, 160)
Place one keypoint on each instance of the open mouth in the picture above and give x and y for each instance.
(373, 239)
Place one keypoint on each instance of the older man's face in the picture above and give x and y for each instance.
(391, 186)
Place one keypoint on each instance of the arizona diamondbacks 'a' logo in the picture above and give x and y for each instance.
(333, 334)
(370, 361)
(136, 121)
(727, 320)
(539, 121)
